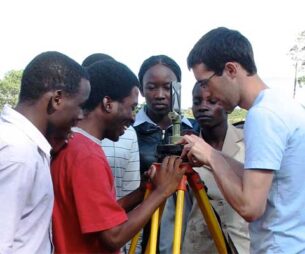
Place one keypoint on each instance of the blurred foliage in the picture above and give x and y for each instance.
(301, 81)
(9, 88)
(297, 55)
(236, 116)
(139, 106)
(188, 113)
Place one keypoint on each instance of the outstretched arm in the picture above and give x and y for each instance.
(245, 190)
(133, 199)
(166, 181)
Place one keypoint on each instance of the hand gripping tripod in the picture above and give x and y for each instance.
(193, 179)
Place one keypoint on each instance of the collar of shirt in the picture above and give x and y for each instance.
(142, 117)
(86, 134)
(21, 122)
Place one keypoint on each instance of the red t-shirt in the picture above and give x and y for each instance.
(85, 200)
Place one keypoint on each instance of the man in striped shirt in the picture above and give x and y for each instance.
(123, 157)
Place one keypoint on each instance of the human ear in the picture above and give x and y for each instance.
(107, 104)
(231, 69)
(57, 97)
(54, 102)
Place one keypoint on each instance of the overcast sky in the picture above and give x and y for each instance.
(132, 30)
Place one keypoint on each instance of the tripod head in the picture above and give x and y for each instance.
(175, 116)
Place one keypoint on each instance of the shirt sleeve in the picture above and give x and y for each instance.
(16, 179)
(131, 175)
(266, 136)
(94, 196)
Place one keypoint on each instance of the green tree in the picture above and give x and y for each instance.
(236, 116)
(297, 55)
(139, 107)
(188, 113)
(10, 87)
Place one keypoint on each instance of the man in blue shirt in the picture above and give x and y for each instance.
(268, 189)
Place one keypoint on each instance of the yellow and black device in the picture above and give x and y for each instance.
(192, 178)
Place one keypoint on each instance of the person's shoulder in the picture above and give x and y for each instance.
(276, 102)
(80, 146)
(274, 106)
(237, 129)
(129, 134)
(146, 128)
(125, 141)
(239, 124)
(192, 121)
(16, 145)
(188, 123)
(10, 133)
(191, 128)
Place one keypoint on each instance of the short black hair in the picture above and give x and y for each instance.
(222, 45)
(93, 58)
(159, 59)
(109, 78)
(50, 71)
(197, 84)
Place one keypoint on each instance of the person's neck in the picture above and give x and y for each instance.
(250, 89)
(35, 114)
(90, 126)
(215, 135)
(162, 121)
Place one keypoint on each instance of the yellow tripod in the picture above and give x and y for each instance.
(193, 178)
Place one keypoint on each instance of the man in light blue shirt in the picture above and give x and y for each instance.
(268, 189)
(275, 141)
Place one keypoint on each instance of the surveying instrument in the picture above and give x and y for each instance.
(191, 177)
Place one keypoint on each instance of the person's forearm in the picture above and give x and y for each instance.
(228, 176)
(245, 190)
(137, 218)
(235, 165)
(165, 182)
(141, 215)
(131, 200)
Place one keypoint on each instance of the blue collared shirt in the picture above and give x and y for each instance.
(142, 117)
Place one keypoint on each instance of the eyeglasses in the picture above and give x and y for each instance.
(205, 82)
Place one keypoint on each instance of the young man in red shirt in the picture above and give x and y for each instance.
(87, 218)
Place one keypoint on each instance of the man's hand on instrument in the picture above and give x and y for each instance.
(196, 150)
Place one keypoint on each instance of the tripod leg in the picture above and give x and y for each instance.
(154, 232)
(207, 211)
(150, 236)
(135, 239)
(179, 216)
